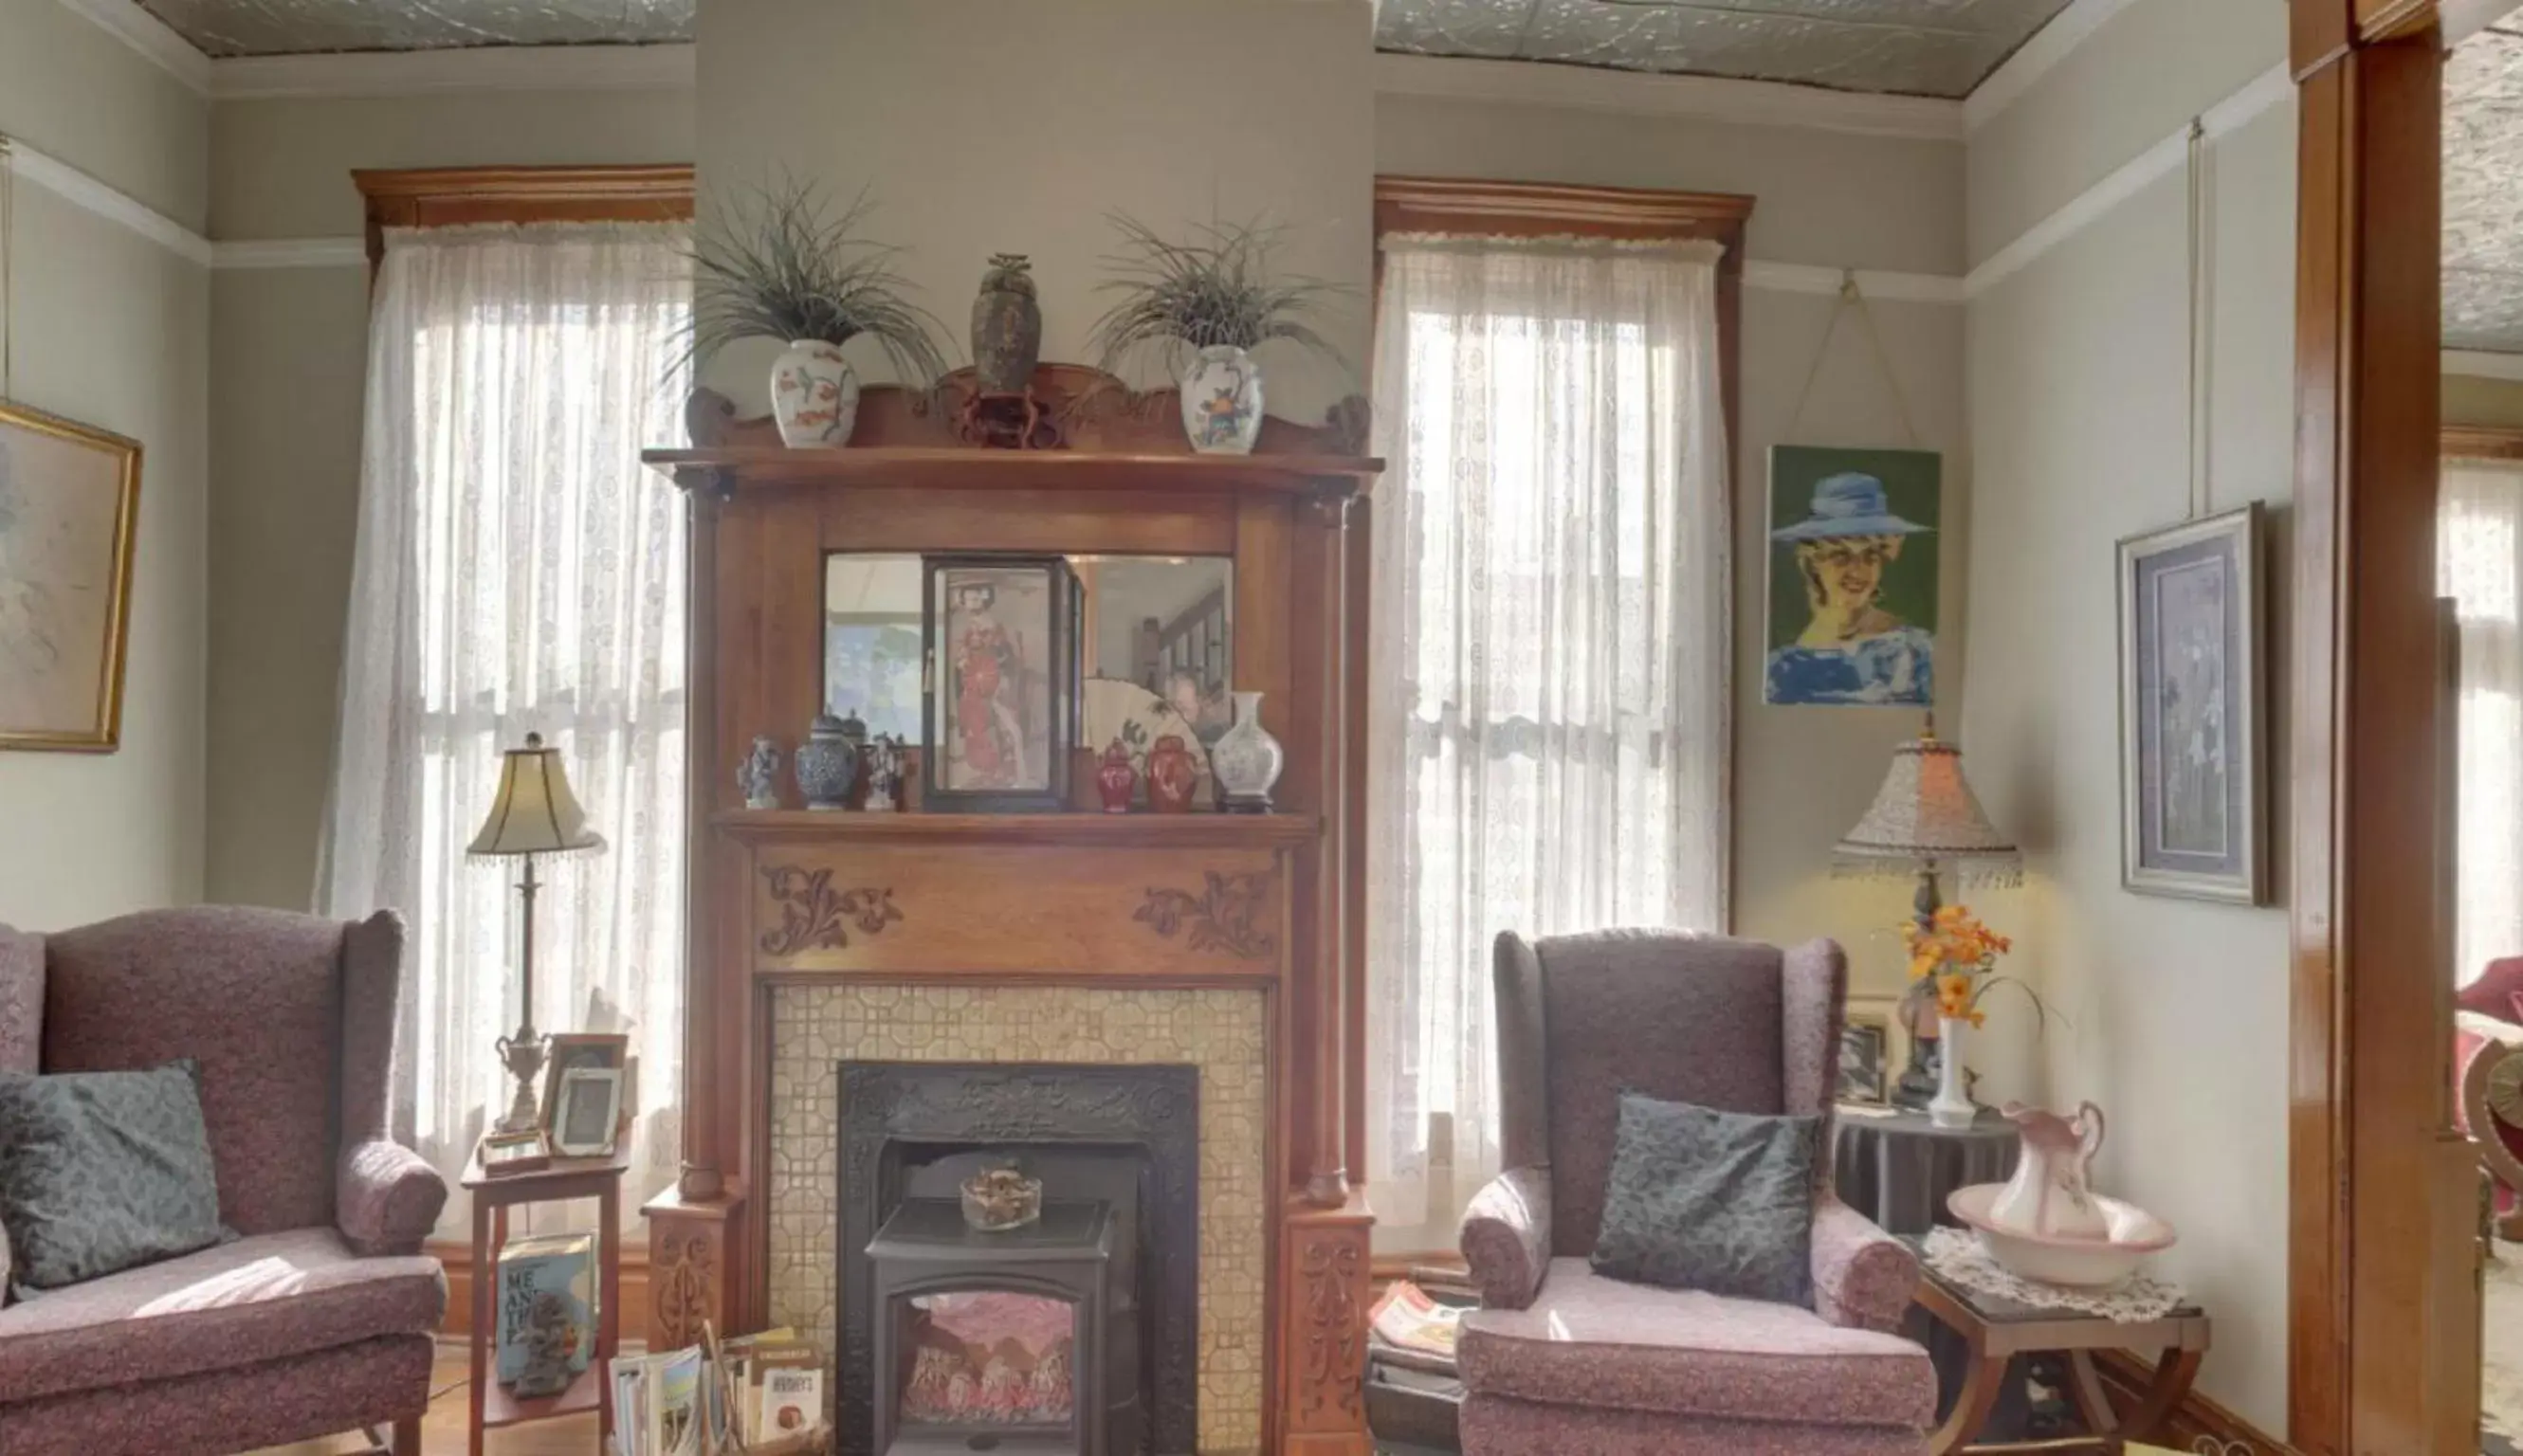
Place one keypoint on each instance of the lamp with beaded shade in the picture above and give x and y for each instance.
(533, 813)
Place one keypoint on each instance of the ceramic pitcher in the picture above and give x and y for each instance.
(2050, 1193)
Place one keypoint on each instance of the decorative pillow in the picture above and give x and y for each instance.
(1703, 1199)
(102, 1171)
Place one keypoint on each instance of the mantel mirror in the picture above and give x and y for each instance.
(1154, 638)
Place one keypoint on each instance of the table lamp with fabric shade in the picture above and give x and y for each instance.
(533, 813)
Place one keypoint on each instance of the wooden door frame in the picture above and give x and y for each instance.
(2377, 1218)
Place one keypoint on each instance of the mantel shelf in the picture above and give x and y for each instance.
(743, 467)
(1082, 828)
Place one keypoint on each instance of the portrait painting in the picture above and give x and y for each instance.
(1854, 552)
(2192, 821)
(1866, 1069)
(1001, 700)
(69, 497)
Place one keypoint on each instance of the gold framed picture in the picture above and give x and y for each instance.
(69, 501)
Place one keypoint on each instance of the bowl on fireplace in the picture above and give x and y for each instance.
(998, 1200)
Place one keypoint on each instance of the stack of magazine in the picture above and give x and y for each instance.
(755, 1395)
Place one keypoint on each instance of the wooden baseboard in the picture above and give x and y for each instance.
(2199, 1425)
(458, 1258)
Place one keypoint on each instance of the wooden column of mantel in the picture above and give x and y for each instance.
(762, 518)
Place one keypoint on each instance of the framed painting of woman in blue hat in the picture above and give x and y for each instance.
(1853, 558)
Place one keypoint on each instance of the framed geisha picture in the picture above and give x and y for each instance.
(69, 501)
(999, 716)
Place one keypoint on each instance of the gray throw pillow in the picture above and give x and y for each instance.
(1704, 1199)
(103, 1172)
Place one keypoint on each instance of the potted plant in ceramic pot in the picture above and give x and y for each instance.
(1201, 308)
(776, 267)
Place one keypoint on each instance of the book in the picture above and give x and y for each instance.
(674, 1412)
(1407, 1319)
(792, 1400)
(547, 1302)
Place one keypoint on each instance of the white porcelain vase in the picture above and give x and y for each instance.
(1222, 400)
(1950, 1108)
(813, 396)
(1246, 759)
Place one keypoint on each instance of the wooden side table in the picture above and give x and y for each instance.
(600, 1179)
(1998, 1330)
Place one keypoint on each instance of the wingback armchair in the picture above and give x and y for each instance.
(318, 1317)
(1559, 1358)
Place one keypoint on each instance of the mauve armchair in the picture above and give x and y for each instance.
(1560, 1359)
(319, 1317)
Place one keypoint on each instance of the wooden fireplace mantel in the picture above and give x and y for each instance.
(1269, 902)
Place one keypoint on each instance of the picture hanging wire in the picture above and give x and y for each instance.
(2201, 326)
(1853, 297)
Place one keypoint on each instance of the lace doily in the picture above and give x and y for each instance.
(1957, 1254)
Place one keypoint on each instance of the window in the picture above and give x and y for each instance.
(2479, 564)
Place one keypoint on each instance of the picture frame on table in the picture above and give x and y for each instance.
(587, 1116)
(1868, 1060)
(503, 1154)
(2194, 813)
(1000, 715)
(567, 1050)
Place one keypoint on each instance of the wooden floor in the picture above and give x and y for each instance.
(443, 1433)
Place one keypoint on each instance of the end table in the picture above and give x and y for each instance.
(1997, 1330)
(600, 1179)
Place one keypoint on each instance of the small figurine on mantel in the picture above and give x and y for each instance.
(759, 776)
(884, 773)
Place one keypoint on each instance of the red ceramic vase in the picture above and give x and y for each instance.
(1115, 779)
(1171, 775)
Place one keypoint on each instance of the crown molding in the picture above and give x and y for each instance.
(290, 253)
(1633, 93)
(2034, 59)
(91, 196)
(2478, 363)
(567, 67)
(153, 38)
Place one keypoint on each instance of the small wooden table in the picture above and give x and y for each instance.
(600, 1179)
(1999, 1329)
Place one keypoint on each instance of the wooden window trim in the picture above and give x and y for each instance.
(2483, 441)
(455, 196)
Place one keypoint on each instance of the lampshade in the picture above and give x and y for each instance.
(1926, 811)
(535, 813)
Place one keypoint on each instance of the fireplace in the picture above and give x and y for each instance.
(1122, 1140)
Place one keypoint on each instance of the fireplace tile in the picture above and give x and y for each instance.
(1221, 1031)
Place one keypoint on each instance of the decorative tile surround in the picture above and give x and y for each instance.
(815, 1027)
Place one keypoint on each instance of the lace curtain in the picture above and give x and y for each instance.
(2479, 563)
(1548, 737)
(519, 570)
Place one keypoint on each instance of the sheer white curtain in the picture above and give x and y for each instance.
(520, 572)
(2479, 563)
(1548, 737)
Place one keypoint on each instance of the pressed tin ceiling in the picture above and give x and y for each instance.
(1908, 47)
(282, 27)
(2483, 192)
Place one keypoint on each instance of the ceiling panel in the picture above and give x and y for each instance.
(279, 27)
(1910, 47)
(2483, 192)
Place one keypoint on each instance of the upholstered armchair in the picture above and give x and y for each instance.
(318, 1317)
(1561, 1359)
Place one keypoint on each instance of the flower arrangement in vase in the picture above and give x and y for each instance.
(776, 267)
(1202, 306)
(1953, 957)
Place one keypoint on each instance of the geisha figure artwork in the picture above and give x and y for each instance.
(997, 635)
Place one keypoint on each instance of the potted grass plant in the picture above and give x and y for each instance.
(776, 265)
(1201, 308)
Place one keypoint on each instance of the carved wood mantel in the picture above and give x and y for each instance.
(1088, 900)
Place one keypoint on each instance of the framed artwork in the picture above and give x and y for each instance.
(2192, 777)
(1001, 711)
(1867, 1068)
(588, 1117)
(69, 501)
(503, 1154)
(566, 1052)
(1851, 616)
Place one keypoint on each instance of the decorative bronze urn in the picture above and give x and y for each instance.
(1007, 326)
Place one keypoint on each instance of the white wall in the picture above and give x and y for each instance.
(1802, 775)
(2176, 1012)
(110, 329)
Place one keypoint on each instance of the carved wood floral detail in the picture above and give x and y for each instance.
(815, 916)
(1220, 919)
(684, 1286)
(1335, 1335)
